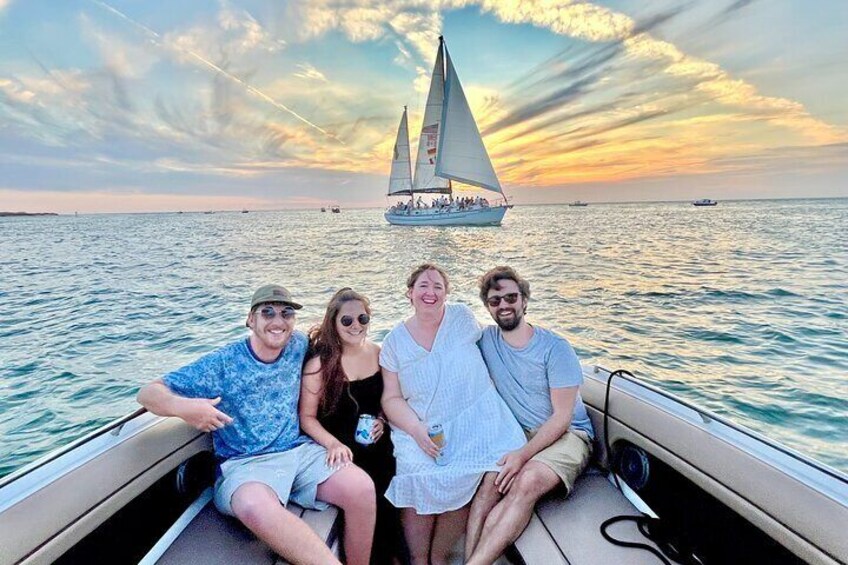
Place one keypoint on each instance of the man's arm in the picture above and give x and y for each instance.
(562, 400)
(199, 413)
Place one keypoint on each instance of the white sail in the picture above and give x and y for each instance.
(400, 180)
(461, 154)
(425, 165)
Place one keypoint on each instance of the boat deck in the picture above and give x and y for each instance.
(560, 532)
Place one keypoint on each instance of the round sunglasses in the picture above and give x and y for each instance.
(269, 312)
(495, 301)
(363, 320)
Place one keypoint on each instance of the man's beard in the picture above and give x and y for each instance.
(511, 323)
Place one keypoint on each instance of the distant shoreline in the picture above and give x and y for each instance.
(3, 214)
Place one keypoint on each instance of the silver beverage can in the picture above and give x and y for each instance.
(437, 434)
(363, 429)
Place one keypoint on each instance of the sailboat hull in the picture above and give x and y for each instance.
(491, 216)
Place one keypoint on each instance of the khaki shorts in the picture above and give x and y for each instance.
(567, 456)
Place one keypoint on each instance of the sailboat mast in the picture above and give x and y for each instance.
(408, 151)
(425, 180)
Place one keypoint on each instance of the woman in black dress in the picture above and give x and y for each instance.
(341, 381)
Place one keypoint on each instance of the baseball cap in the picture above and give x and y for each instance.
(273, 293)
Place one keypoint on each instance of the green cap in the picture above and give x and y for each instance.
(273, 293)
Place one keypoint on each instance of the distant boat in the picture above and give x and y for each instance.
(244, 211)
(705, 202)
(335, 210)
(450, 148)
(578, 203)
(323, 209)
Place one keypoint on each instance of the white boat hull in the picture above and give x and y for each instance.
(491, 216)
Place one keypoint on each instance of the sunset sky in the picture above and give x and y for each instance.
(138, 105)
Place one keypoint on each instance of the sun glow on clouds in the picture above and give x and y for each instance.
(617, 104)
(630, 140)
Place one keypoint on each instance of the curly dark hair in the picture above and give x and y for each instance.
(492, 279)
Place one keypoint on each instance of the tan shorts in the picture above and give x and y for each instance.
(567, 456)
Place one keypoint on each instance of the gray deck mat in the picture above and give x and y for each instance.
(212, 538)
(575, 523)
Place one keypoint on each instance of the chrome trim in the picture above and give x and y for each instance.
(57, 464)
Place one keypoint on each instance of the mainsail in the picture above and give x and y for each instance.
(400, 180)
(461, 154)
(425, 165)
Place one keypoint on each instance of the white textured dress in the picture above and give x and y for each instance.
(448, 385)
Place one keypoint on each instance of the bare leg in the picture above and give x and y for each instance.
(258, 508)
(511, 515)
(449, 528)
(485, 499)
(352, 490)
(418, 530)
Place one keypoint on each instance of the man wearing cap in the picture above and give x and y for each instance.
(246, 393)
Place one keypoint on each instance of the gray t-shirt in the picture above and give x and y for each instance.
(525, 376)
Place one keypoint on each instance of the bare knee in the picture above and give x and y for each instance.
(532, 483)
(252, 503)
(355, 491)
(488, 490)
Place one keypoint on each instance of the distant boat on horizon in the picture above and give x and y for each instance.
(578, 203)
(335, 209)
(705, 202)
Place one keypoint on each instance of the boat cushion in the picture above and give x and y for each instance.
(213, 538)
(568, 530)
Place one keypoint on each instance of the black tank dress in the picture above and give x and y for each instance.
(377, 459)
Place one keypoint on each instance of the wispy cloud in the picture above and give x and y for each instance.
(198, 58)
(309, 72)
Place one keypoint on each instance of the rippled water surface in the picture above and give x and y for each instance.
(741, 309)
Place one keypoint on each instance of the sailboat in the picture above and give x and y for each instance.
(450, 149)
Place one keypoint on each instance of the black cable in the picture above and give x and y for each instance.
(641, 522)
(607, 446)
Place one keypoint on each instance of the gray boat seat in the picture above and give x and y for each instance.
(204, 535)
(567, 531)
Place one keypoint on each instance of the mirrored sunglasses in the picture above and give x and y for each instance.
(270, 312)
(363, 320)
(495, 301)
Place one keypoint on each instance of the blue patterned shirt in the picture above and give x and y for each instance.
(260, 397)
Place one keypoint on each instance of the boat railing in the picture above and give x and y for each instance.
(427, 209)
(708, 416)
(113, 427)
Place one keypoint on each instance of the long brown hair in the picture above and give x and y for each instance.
(326, 344)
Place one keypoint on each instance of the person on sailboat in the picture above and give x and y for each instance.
(538, 375)
(435, 379)
(246, 394)
(342, 387)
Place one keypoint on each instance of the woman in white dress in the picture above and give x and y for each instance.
(434, 373)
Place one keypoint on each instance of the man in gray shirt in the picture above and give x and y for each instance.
(538, 375)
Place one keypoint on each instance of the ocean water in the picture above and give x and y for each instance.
(741, 309)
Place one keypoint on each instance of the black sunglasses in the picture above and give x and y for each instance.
(269, 312)
(495, 301)
(363, 320)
